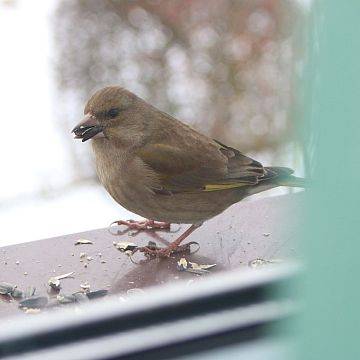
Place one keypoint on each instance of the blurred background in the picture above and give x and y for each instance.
(228, 68)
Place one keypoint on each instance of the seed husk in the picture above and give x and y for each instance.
(85, 286)
(32, 311)
(83, 242)
(54, 283)
(125, 246)
(184, 265)
(258, 262)
(65, 276)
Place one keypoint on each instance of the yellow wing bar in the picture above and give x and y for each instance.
(218, 187)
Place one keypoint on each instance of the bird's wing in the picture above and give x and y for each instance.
(209, 167)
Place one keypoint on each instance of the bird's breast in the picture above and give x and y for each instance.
(125, 177)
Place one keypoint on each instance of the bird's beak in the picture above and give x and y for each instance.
(88, 128)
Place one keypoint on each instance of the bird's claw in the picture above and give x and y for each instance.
(143, 224)
(153, 251)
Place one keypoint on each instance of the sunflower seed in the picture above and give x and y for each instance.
(17, 294)
(34, 302)
(96, 294)
(6, 288)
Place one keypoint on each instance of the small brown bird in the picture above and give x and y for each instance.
(155, 166)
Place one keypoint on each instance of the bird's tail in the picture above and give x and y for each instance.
(283, 177)
(276, 176)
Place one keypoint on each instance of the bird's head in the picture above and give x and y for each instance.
(110, 113)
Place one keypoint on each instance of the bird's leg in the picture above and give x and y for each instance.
(173, 246)
(143, 224)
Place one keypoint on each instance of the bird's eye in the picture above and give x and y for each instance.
(113, 113)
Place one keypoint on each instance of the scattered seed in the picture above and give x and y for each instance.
(54, 283)
(96, 294)
(17, 294)
(32, 311)
(65, 276)
(261, 262)
(17, 262)
(184, 265)
(125, 246)
(266, 234)
(6, 288)
(83, 242)
(9, 289)
(34, 302)
(66, 299)
(79, 297)
(85, 286)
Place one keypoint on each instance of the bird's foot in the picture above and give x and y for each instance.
(152, 251)
(143, 224)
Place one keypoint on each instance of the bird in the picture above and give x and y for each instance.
(162, 169)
